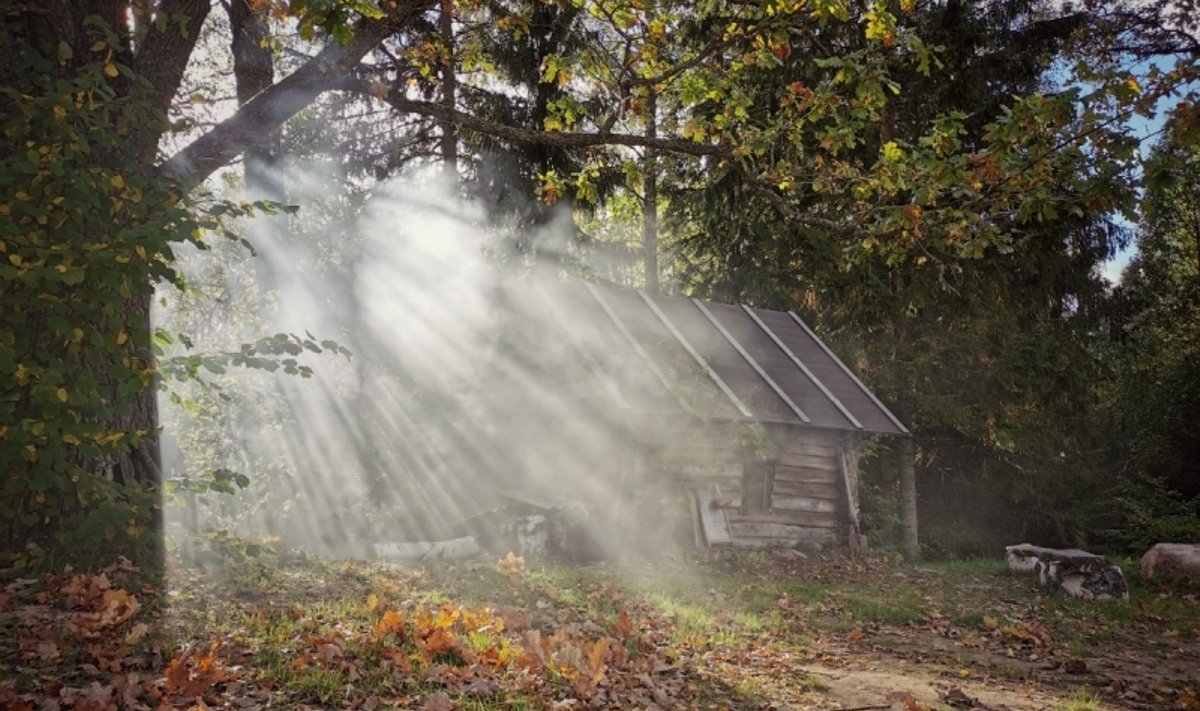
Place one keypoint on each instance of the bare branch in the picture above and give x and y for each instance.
(272, 107)
(524, 136)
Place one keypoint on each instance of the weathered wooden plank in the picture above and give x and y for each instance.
(790, 518)
(808, 461)
(767, 534)
(848, 463)
(803, 503)
(713, 522)
(819, 489)
(810, 448)
(803, 475)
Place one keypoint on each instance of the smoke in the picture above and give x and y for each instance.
(472, 385)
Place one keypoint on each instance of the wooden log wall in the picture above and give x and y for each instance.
(808, 485)
(805, 495)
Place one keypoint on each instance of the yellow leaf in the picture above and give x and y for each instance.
(60, 112)
(14, 259)
(136, 633)
(372, 602)
(3, 429)
(122, 337)
(70, 439)
(78, 335)
(111, 70)
(118, 181)
(964, 673)
(1133, 85)
(99, 46)
(62, 394)
(141, 251)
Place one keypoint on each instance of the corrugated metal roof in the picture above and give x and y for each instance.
(716, 360)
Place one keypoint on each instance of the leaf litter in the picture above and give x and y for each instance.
(760, 634)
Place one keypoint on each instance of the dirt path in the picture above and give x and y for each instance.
(1029, 652)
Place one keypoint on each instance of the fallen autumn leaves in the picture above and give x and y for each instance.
(477, 636)
(83, 625)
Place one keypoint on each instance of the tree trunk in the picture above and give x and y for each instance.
(449, 90)
(254, 72)
(650, 197)
(908, 498)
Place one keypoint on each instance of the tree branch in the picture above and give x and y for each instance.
(528, 137)
(271, 108)
(564, 139)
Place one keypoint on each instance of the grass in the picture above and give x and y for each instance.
(1082, 700)
(737, 608)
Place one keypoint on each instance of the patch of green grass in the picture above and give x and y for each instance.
(747, 621)
(894, 613)
(972, 618)
(471, 703)
(1082, 700)
(694, 625)
(749, 689)
(965, 566)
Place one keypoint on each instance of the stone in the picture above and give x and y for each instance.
(1172, 561)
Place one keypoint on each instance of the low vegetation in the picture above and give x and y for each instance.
(723, 631)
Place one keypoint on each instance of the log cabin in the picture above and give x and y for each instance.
(739, 426)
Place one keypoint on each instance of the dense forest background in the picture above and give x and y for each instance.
(938, 187)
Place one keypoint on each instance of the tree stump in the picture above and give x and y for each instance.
(1172, 561)
(1075, 572)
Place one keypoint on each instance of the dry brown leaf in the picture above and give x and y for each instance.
(136, 633)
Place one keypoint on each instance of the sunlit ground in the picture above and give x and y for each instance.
(284, 629)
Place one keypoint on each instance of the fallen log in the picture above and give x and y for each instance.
(1073, 571)
(1172, 561)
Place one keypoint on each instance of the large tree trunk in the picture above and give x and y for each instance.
(157, 52)
(449, 93)
(254, 73)
(650, 196)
